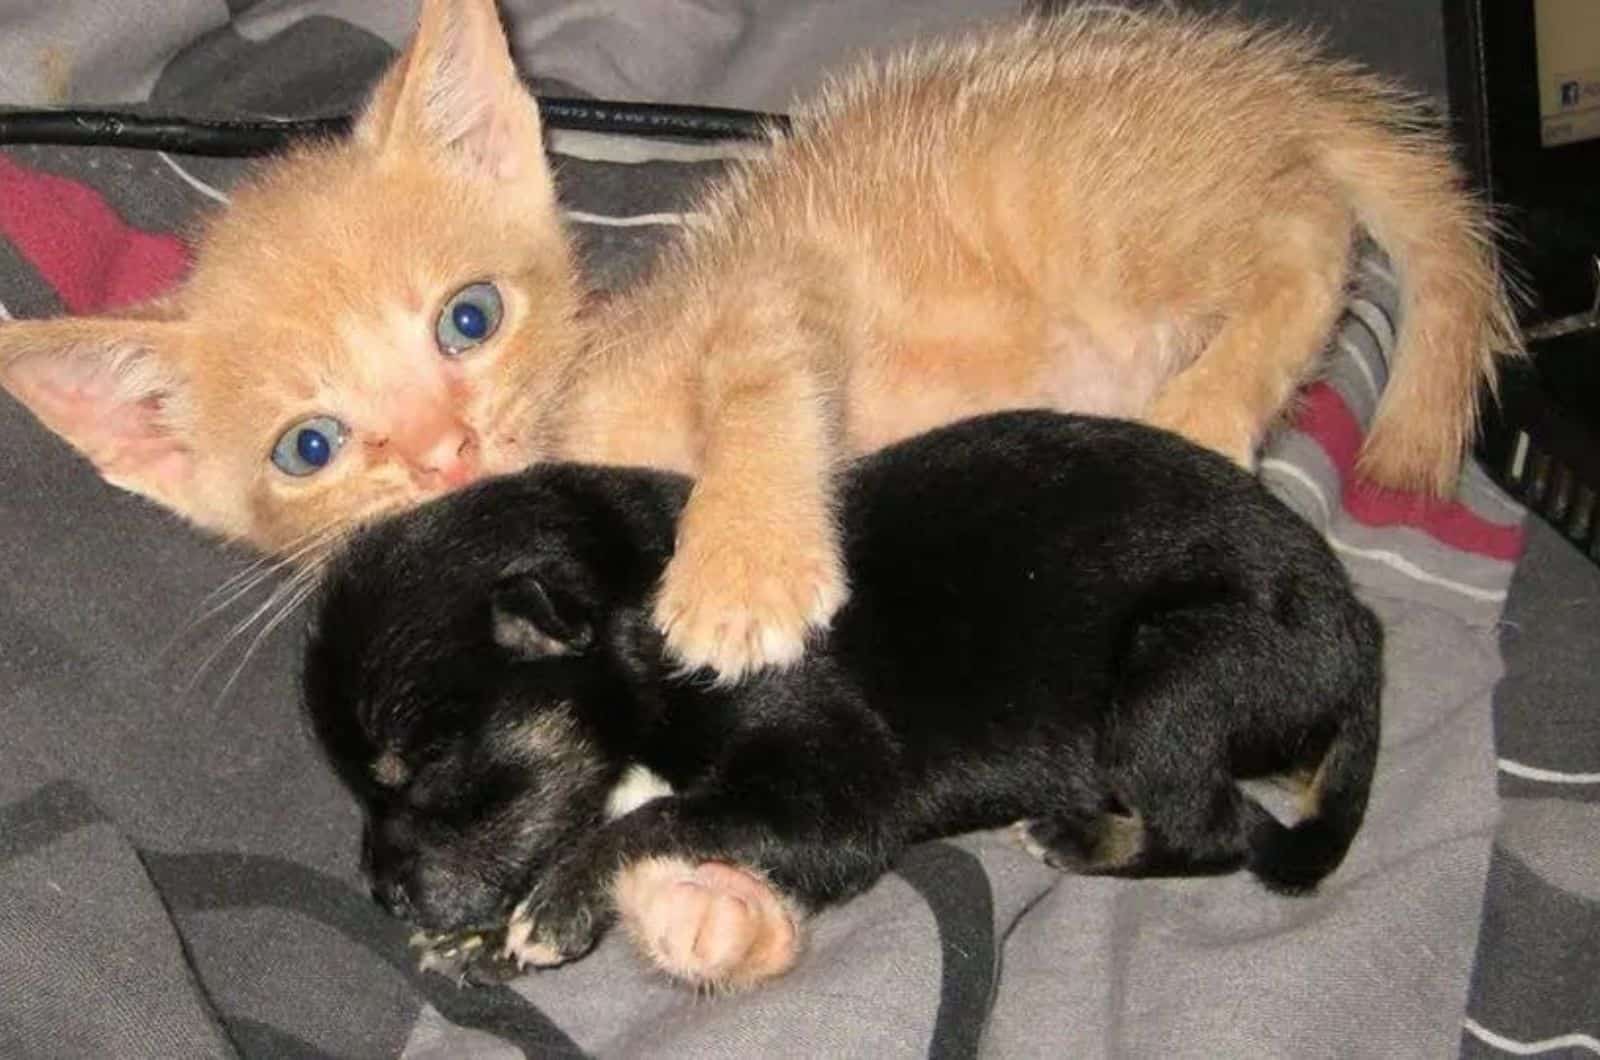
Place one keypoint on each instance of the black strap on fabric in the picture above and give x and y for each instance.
(244, 138)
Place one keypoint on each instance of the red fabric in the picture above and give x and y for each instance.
(78, 244)
(1328, 420)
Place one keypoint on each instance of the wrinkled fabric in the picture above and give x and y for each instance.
(178, 868)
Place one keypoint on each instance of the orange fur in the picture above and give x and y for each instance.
(1147, 215)
(316, 291)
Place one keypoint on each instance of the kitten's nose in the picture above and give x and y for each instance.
(447, 453)
(454, 457)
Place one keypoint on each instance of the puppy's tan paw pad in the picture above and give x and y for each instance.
(710, 925)
(521, 947)
(1023, 834)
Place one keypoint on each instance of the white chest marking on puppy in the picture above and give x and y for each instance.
(637, 787)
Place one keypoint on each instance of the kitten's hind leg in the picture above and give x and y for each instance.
(1278, 322)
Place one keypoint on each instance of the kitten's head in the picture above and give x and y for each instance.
(370, 323)
(478, 672)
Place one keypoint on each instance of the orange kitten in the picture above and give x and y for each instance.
(1142, 215)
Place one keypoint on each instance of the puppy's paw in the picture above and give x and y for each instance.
(543, 934)
(469, 959)
(1104, 845)
(1022, 832)
(741, 594)
(710, 925)
(1196, 411)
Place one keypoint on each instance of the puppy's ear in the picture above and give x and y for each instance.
(533, 619)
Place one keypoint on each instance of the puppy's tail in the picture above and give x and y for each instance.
(1293, 859)
(1455, 317)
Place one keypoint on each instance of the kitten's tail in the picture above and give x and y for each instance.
(1293, 859)
(1455, 316)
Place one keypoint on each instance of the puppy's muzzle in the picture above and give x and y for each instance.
(437, 890)
(391, 896)
(389, 870)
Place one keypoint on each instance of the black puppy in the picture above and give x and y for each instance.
(1087, 625)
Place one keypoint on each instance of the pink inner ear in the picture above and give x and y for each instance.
(458, 91)
(496, 146)
(122, 432)
(489, 121)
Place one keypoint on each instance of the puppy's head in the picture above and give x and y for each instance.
(470, 672)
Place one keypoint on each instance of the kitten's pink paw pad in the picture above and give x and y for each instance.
(736, 611)
(711, 925)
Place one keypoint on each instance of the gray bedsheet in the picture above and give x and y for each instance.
(177, 868)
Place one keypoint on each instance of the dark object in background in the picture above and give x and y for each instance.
(1541, 439)
(243, 138)
(1525, 77)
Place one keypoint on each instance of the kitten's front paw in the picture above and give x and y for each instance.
(740, 595)
(710, 925)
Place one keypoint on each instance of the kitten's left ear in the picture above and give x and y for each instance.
(109, 386)
(534, 619)
(455, 90)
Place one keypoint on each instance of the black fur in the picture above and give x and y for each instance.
(1061, 619)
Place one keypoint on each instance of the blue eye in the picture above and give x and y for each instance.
(468, 319)
(308, 446)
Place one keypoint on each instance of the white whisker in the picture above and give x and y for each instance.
(279, 592)
(293, 574)
(257, 571)
(300, 588)
(265, 567)
(237, 587)
(256, 568)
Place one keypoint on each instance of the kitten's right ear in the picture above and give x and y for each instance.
(455, 90)
(534, 619)
(102, 385)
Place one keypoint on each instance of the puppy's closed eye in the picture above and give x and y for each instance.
(389, 770)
